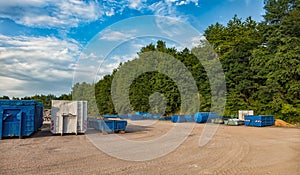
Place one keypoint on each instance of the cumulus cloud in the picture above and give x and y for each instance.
(167, 8)
(50, 13)
(187, 2)
(110, 13)
(161, 8)
(136, 4)
(70, 13)
(122, 58)
(92, 68)
(32, 64)
(112, 63)
(196, 41)
(113, 35)
(36, 64)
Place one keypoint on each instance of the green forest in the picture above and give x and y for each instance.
(260, 60)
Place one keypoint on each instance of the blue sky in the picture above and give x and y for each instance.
(47, 45)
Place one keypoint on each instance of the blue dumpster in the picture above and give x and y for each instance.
(123, 116)
(259, 120)
(182, 118)
(202, 117)
(141, 113)
(120, 125)
(165, 118)
(178, 118)
(153, 116)
(189, 118)
(20, 117)
(134, 117)
(110, 116)
(107, 125)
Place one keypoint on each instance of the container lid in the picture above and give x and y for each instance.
(20, 102)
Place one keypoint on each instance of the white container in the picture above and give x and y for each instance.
(243, 113)
(68, 117)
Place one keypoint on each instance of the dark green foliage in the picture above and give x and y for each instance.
(164, 70)
(234, 44)
(45, 99)
(149, 83)
(86, 92)
(260, 61)
(276, 63)
(4, 97)
(103, 95)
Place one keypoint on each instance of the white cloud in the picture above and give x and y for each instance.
(195, 41)
(111, 35)
(167, 8)
(112, 63)
(169, 20)
(181, 3)
(187, 2)
(89, 56)
(136, 4)
(162, 8)
(171, 1)
(50, 13)
(33, 65)
(22, 3)
(70, 13)
(123, 58)
(110, 13)
(11, 87)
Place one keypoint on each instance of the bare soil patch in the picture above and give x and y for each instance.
(233, 150)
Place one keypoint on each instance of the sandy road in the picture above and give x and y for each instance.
(233, 150)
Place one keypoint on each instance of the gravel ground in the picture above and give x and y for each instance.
(232, 150)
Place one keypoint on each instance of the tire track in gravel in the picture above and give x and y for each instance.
(233, 150)
(230, 164)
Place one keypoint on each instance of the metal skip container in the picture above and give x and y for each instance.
(68, 117)
(108, 125)
(202, 117)
(259, 120)
(20, 117)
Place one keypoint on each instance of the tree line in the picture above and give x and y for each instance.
(260, 61)
(45, 99)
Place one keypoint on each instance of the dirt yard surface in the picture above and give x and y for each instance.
(232, 150)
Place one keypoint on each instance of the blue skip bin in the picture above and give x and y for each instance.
(123, 116)
(182, 118)
(110, 116)
(165, 118)
(153, 116)
(259, 120)
(135, 117)
(189, 118)
(202, 117)
(141, 113)
(20, 117)
(107, 125)
(178, 118)
(120, 125)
